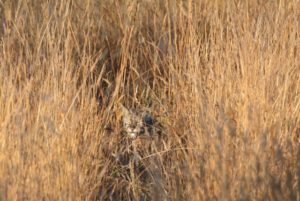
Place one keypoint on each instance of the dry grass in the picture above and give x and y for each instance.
(222, 78)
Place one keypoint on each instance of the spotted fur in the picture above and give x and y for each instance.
(137, 124)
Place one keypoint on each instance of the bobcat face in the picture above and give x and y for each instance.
(136, 123)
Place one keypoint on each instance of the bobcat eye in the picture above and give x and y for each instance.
(148, 119)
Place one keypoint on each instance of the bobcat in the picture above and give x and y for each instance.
(141, 138)
(137, 124)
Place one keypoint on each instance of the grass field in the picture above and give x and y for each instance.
(222, 78)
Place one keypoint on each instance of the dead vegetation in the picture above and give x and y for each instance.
(222, 77)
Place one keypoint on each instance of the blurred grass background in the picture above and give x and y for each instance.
(222, 77)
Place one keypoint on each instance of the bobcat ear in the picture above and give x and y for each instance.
(124, 110)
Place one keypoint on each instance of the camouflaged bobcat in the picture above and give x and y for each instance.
(140, 132)
(141, 135)
(138, 123)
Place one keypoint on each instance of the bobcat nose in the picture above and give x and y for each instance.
(132, 133)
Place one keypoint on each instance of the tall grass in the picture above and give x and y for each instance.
(222, 77)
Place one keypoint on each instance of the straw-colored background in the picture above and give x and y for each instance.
(222, 77)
